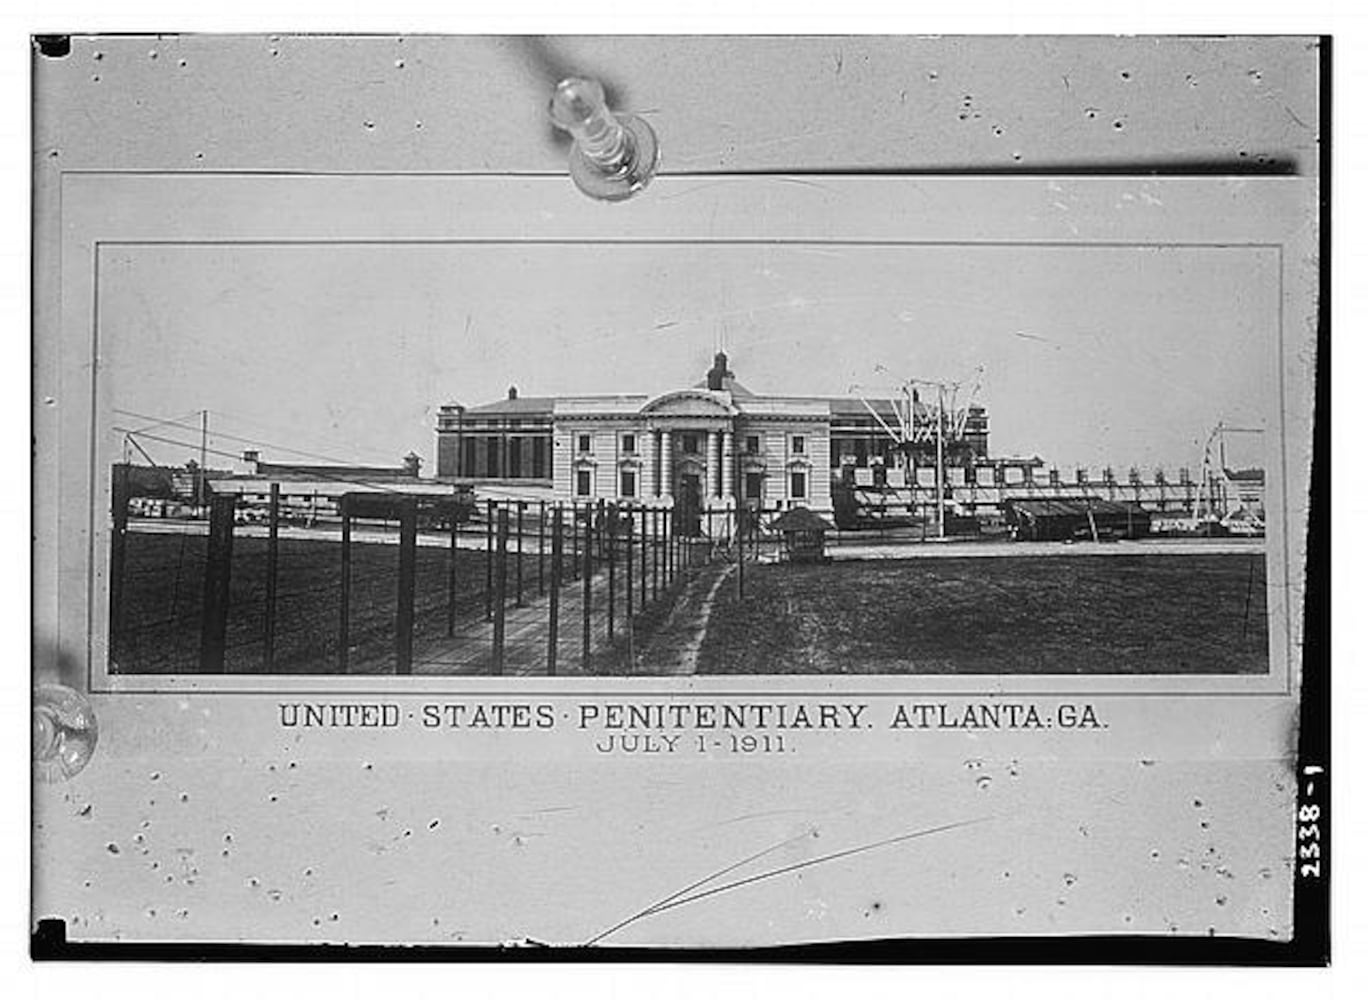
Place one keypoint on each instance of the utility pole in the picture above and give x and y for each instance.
(907, 435)
(204, 456)
(940, 460)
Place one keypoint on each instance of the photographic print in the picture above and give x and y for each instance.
(680, 459)
(644, 511)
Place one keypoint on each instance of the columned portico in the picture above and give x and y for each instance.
(714, 479)
(650, 472)
(684, 450)
(728, 485)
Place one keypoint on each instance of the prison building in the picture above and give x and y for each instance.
(713, 444)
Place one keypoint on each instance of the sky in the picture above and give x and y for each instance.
(1082, 355)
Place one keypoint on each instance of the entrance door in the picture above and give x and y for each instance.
(688, 504)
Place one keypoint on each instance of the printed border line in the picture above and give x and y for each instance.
(98, 245)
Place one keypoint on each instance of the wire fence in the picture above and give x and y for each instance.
(499, 587)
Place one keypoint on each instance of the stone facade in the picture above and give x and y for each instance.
(714, 446)
(709, 447)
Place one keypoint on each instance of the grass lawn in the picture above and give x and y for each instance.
(164, 589)
(1140, 614)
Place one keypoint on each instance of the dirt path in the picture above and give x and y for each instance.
(673, 648)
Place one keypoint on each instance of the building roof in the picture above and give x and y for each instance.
(1071, 508)
(853, 406)
(522, 406)
(800, 519)
(729, 384)
(292, 470)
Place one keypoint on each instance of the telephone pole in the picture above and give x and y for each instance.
(204, 456)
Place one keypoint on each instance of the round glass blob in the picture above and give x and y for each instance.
(64, 732)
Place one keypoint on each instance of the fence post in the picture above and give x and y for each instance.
(740, 556)
(599, 518)
(520, 552)
(217, 576)
(272, 562)
(489, 560)
(631, 516)
(451, 571)
(553, 622)
(541, 548)
(574, 541)
(645, 540)
(408, 571)
(588, 571)
(611, 529)
(343, 623)
(117, 548)
(500, 582)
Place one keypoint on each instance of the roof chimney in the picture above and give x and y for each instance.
(512, 392)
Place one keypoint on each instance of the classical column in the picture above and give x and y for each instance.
(728, 478)
(666, 464)
(714, 480)
(649, 463)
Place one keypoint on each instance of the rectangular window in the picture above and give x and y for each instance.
(583, 483)
(539, 458)
(690, 444)
(629, 444)
(628, 483)
(584, 442)
(799, 444)
(515, 457)
(753, 486)
(752, 444)
(492, 458)
(798, 485)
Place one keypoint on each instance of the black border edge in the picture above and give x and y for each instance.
(1310, 945)
(50, 942)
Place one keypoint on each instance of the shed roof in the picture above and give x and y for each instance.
(800, 519)
(1071, 507)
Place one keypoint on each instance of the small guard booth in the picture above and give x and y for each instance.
(804, 535)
